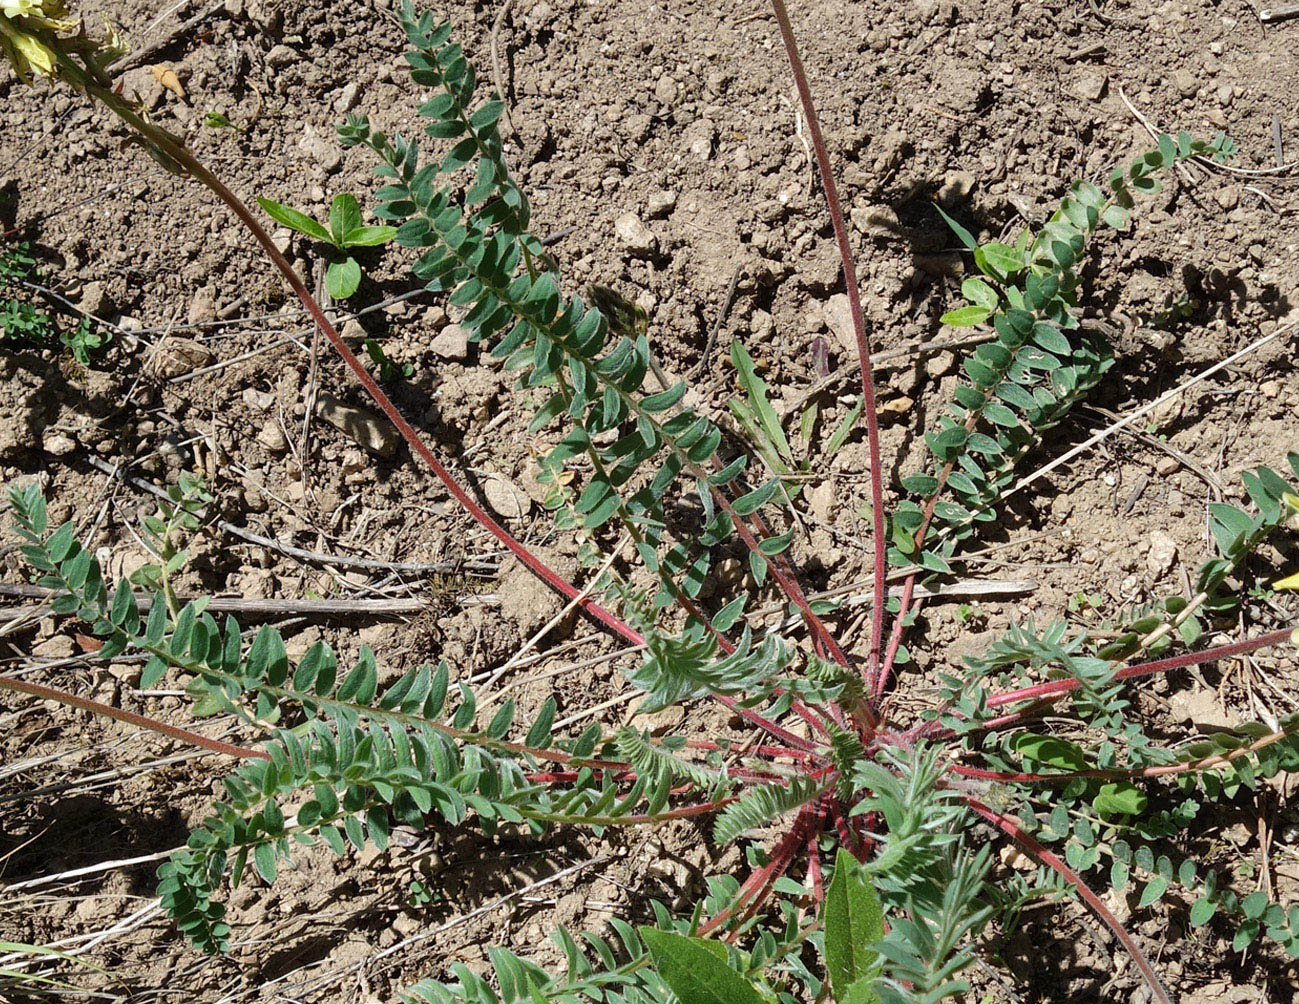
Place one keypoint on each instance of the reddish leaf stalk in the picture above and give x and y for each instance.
(858, 322)
(1131, 773)
(131, 718)
(183, 156)
(1043, 856)
(758, 885)
(1043, 695)
(1058, 688)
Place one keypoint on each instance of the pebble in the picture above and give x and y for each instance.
(1162, 554)
(178, 356)
(1090, 86)
(635, 236)
(506, 498)
(324, 150)
(948, 263)
(272, 437)
(58, 647)
(838, 318)
(452, 342)
(661, 203)
(1201, 708)
(666, 90)
(660, 722)
(1227, 196)
(939, 363)
(347, 98)
(94, 299)
(369, 430)
(281, 56)
(699, 137)
(956, 186)
(1225, 93)
(58, 445)
(1186, 83)
(1165, 466)
(202, 307)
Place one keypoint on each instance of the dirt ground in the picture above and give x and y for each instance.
(683, 114)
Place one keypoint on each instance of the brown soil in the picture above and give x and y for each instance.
(683, 114)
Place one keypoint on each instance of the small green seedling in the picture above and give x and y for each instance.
(388, 370)
(216, 120)
(346, 230)
(22, 323)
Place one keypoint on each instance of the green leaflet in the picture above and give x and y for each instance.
(853, 921)
(694, 973)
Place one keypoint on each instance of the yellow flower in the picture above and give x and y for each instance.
(34, 33)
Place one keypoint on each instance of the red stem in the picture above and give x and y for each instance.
(758, 885)
(858, 323)
(130, 717)
(1043, 856)
(1058, 688)
(1044, 694)
(183, 156)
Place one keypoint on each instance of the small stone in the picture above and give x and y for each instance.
(637, 238)
(1167, 413)
(1203, 709)
(58, 445)
(58, 647)
(324, 150)
(1166, 466)
(1225, 93)
(666, 90)
(939, 363)
(660, 722)
(281, 56)
(820, 501)
(1270, 389)
(539, 15)
(202, 306)
(699, 137)
(1162, 554)
(1227, 196)
(877, 221)
(838, 318)
(258, 400)
(272, 437)
(178, 356)
(347, 98)
(369, 430)
(660, 204)
(505, 497)
(1090, 86)
(956, 186)
(94, 299)
(1186, 83)
(452, 342)
(947, 264)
